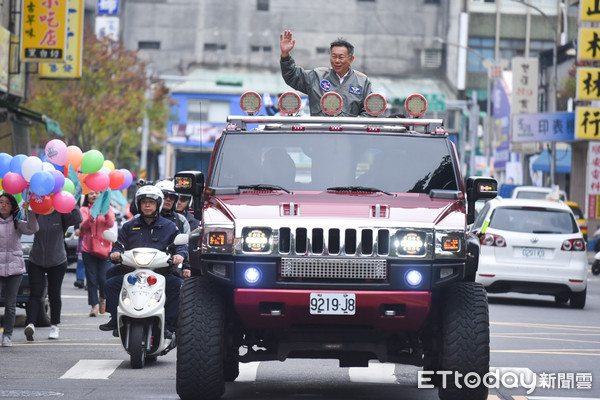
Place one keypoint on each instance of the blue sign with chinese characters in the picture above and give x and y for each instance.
(108, 7)
(544, 127)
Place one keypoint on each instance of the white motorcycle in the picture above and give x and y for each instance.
(141, 310)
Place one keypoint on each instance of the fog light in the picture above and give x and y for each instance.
(252, 275)
(446, 272)
(413, 277)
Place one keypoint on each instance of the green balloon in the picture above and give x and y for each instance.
(69, 186)
(18, 197)
(91, 162)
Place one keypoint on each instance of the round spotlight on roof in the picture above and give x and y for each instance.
(250, 102)
(375, 104)
(289, 103)
(415, 105)
(331, 103)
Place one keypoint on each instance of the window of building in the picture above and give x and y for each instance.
(254, 49)
(207, 111)
(214, 46)
(484, 48)
(322, 50)
(267, 48)
(262, 5)
(148, 45)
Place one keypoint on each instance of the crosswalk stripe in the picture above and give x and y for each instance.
(92, 369)
(248, 371)
(374, 373)
(493, 397)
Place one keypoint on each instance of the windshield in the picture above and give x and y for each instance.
(318, 161)
(532, 220)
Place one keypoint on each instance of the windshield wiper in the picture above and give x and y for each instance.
(263, 186)
(356, 189)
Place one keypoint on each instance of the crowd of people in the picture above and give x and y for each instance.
(158, 215)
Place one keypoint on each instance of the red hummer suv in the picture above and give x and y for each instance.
(328, 237)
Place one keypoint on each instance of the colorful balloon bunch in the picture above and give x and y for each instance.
(46, 183)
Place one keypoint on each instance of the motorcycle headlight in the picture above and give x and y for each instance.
(155, 298)
(143, 257)
(125, 297)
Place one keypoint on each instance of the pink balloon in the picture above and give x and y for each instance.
(56, 151)
(63, 202)
(13, 183)
(98, 181)
(128, 179)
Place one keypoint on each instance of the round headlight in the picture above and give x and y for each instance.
(252, 275)
(289, 103)
(250, 102)
(331, 103)
(415, 105)
(413, 277)
(375, 104)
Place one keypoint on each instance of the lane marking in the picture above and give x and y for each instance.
(248, 371)
(92, 369)
(542, 338)
(374, 373)
(532, 325)
(555, 398)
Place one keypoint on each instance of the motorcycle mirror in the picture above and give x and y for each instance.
(180, 239)
(110, 236)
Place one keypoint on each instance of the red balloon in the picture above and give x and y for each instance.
(41, 204)
(63, 201)
(97, 181)
(13, 183)
(116, 178)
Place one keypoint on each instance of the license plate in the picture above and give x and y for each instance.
(333, 303)
(529, 252)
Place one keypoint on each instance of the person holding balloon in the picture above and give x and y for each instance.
(48, 259)
(94, 251)
(12, 266)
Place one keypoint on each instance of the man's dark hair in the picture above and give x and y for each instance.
(341, 42)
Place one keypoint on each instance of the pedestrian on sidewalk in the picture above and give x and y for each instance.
(12, 265)
(95, 250)
(48, 259)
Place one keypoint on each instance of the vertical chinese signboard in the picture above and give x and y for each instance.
(71, 68)
(43, 30)
(525, 85)
(593, 180)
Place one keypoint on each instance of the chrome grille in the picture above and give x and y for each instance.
(331, 268)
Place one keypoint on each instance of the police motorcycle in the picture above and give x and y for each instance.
(141, 309)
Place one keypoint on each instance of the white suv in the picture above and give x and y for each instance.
(532, 246)
(536, 192)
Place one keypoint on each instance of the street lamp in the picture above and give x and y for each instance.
(552, 104)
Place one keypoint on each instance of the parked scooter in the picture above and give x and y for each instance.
(141, 310)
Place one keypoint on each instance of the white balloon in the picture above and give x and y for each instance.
(46, 166)
(31, 165)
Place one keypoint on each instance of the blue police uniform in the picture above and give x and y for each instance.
(157, 235)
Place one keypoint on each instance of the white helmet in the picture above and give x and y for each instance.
(168, 188)
(152, 192)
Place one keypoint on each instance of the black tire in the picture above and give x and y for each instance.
(465, 339)
(232, 367)
(137, 346)
(578, 299)
(562, 298)
(596, 267)
(200, 341)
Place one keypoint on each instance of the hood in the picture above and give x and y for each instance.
(403, 208)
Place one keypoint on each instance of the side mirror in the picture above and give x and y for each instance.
(182, 238)
(110, 236)
(192, 183)
(479, 188)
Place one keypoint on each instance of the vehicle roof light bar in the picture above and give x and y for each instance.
(289, 103)
(375, 104)
(331, 103)
(250, 102)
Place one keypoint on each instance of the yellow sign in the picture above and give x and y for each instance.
(587, 123)
(588, 46)
(589, 10)
(588, 83)
(43, 30)
(71, 68)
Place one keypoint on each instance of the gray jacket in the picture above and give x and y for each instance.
(315, 83)
(48, 248)
(11, 253)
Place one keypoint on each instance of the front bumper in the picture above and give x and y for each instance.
(285, 309)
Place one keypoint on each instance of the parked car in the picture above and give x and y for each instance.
(536, 192)
(532, 246)
(581, 221)
(71, 243)
(24, 289)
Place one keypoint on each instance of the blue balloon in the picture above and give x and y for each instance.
(4, 164)
(42, 183)
(16, 163)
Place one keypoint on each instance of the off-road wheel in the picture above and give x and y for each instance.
(465, 341)
(200, 341)
(137, 346)
(578, 299)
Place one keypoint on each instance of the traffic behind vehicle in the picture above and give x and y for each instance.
(534, 247)
(328, 237)
(579, 217)
(538, 192)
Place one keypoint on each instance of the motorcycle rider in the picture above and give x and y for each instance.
(183, 207)
(168, 210)
(147, 229)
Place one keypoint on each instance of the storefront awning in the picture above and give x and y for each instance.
(51, 125)
(563, 162)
